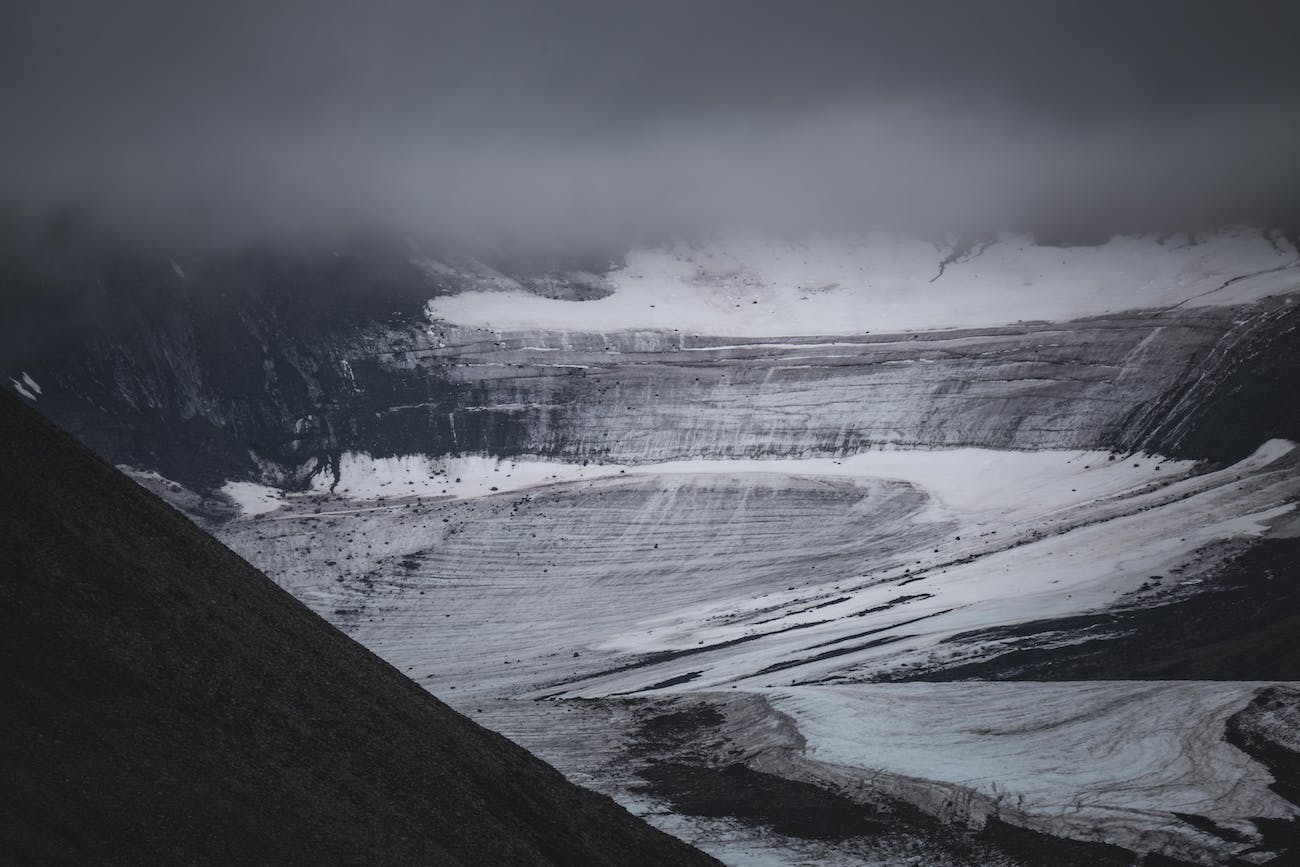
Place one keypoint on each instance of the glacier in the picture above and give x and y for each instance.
(833, 498)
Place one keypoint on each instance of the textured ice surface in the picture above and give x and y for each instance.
(1131, 381)
(1103, 761)
(777, 577)
(763, 573)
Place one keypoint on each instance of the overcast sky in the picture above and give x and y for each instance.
(555, 121)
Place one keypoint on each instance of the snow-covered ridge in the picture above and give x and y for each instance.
(960, 478)
(756, 287)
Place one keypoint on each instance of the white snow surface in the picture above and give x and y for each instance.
(748, 286)
(252, 498)
(26, 386)
(964, 478)
(363, 477)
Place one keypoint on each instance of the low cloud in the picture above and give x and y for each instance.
(565, 123)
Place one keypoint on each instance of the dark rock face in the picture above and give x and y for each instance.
(165, 702)
(1269, 729)
(195, 375)
(1243, 397)
(270, 364)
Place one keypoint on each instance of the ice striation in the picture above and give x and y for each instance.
(777, 578)
(270, 371)
(1126, 382)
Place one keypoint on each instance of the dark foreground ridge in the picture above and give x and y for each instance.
(161, 701)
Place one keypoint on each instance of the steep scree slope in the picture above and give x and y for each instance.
(162, 701)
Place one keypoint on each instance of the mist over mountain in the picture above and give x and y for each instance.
(568, 123)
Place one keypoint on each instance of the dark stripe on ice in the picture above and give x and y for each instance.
(782, 666)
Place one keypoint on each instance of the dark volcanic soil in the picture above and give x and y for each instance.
(161, 701)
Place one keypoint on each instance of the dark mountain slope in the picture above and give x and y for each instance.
(161, 701)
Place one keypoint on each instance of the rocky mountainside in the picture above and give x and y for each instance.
(165, 702)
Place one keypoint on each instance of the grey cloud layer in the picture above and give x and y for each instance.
(565, 120)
